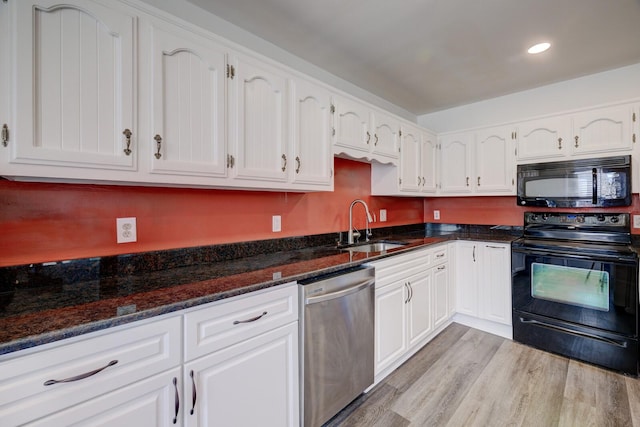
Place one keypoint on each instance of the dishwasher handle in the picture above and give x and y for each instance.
(339, 294)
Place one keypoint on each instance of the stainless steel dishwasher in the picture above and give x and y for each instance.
(336, 342)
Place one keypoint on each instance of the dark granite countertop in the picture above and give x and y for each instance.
(42, 303)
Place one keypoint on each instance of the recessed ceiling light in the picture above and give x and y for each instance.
(538, 48)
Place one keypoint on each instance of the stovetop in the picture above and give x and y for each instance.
(604, 234)
(596, 228)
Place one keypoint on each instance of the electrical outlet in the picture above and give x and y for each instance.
(636, 221)
(276, 223)
(436, 215)
(383, 215)
(126, 231)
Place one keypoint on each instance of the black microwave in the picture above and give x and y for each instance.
(601, 182)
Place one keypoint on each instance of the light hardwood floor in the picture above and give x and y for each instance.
(465, 377)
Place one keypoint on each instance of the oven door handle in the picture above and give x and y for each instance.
(622, 344)
(594, 185)
(590, 257)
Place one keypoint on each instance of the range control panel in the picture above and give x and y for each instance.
(579, 219)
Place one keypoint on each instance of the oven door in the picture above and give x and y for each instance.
(593, 291)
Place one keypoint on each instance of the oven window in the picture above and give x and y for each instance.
(576, 286)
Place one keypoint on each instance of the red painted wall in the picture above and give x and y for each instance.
(493, 210)
(47, 222)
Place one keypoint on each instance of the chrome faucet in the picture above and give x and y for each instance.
(356, 234)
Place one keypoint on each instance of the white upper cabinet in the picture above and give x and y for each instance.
(495, 150)
(605, 130)
(543, 139)
(410, 160)
(351, 127)
(188, 122)
(479, 163)
(456, 163)
(416, 175)
(386, 135)
(362, 132)
(600, 132)
(311, 135)
(258, 114)
(73, 89)
(429, 156)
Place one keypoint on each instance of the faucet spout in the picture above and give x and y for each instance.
(351, 234)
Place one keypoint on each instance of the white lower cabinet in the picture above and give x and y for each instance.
(241, 361)
(412, 304)
(96, 379)
(483, 276)
(240, 368)
(154, 402)
(252, 383)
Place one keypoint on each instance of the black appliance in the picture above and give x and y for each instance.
(575, 287)
(602, 182)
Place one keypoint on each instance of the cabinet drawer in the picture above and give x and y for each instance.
(237, 319)
(138, 352)
(396, 267)
(440, 254)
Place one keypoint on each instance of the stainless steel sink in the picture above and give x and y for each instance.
(375, 247)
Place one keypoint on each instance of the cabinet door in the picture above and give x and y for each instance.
(495, 161)
(74, 85)
(258, 114)
(410, 161)
(351, 127)
(188, 104)
(419, 307)
(386, 135)
(467, 270)
(603, 130)
(253, 383)
(548, 138)
(121, 358)
(311, 130)
(390, 327)
(428, 156)
(441, 294)
(495, 285)
(148, 403)
(456, 172)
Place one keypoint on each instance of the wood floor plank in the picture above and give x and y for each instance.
(413, 368)
(633, 391)
(465, 377)
(371, 410)
(602, 390)
(520, 386)
(434, 397)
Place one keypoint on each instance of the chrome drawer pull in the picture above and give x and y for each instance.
(177, 400)
(81, 376)
(193, 392)
(253, 319)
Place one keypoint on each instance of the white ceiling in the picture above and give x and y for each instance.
(429, 55)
